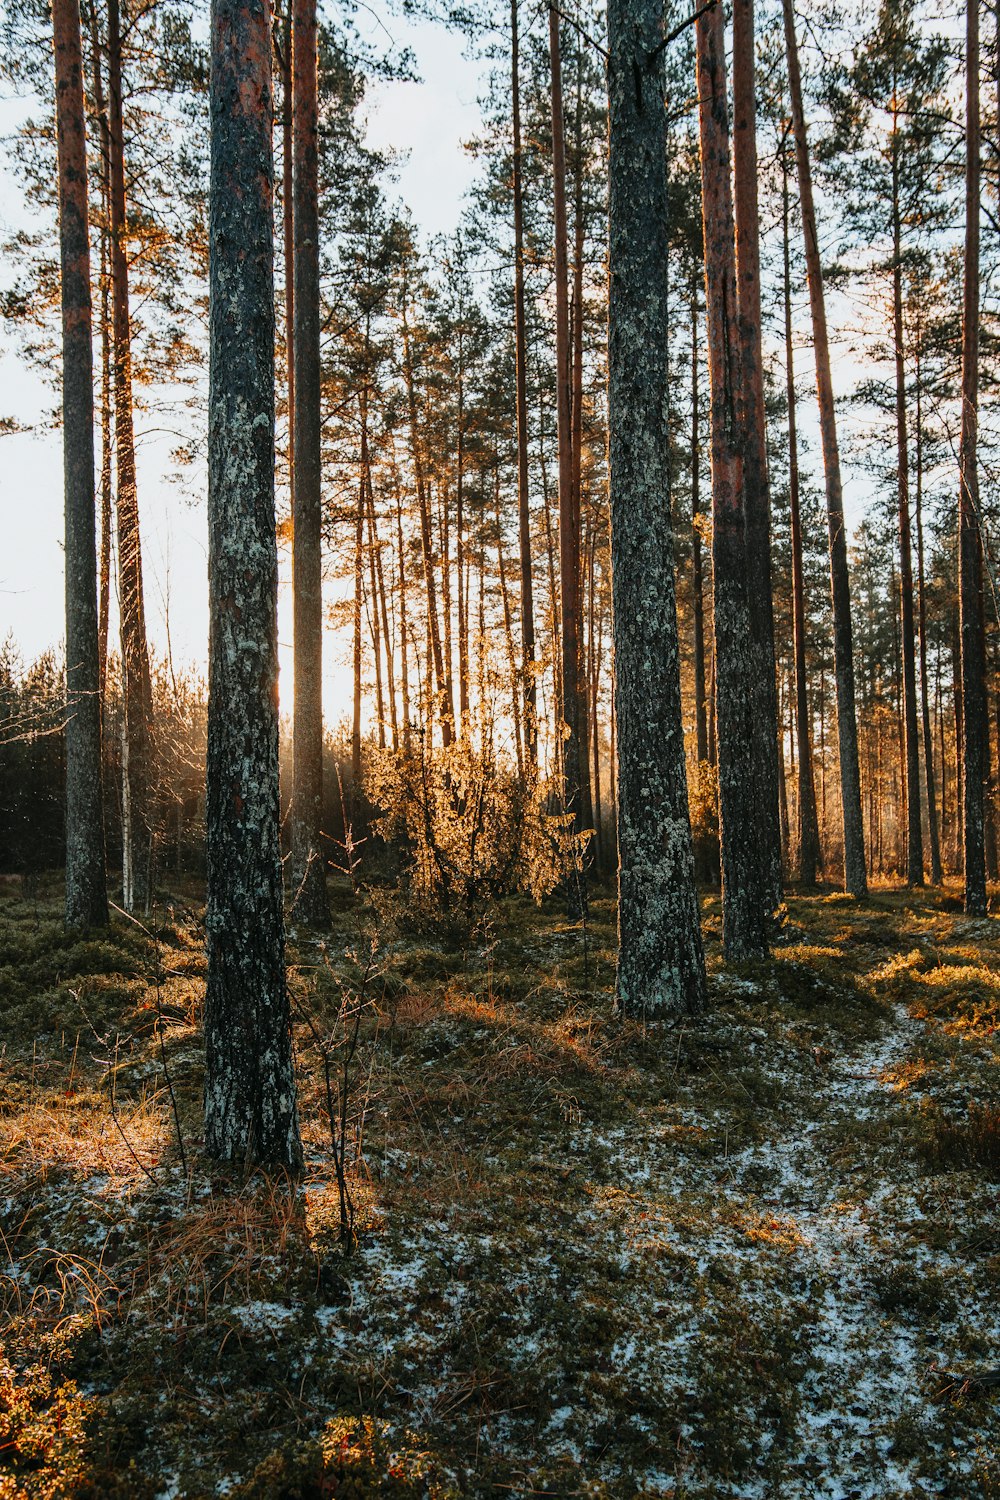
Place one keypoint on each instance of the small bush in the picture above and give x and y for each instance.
(963, 1145)
(470, 832)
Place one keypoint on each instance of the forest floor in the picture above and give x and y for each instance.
(753, 1255)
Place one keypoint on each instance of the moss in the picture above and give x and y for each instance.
(580, 1262)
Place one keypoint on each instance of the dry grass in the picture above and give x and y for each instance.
(511, 1230)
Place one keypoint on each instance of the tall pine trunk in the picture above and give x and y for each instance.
(86, 877)
(569, 530)
(288, 224)
(808, 830)
(380, 596)
(925, 713)
(855, 874)
(974, 742)
(104, 285)
(358, 614)
(250, 1107)
(441, 677)
(660, 961)
(583, 573)
(756, 486)
(697, 582)
(404, 649)
(138, 780)
(308, 865)
(521, 397)
(914, 829)
(745, 890)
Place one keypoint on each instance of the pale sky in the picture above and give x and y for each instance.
(429, 120)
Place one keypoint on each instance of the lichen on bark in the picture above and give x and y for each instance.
(250, 1107)
(661, 970)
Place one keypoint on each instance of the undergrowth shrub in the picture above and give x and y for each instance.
(703, 799)
(353, 1459)
(470, 833)
(963, 1145)
(43, 1434)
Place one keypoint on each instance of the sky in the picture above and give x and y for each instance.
(427, 122)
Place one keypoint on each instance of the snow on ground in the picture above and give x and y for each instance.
(794, 1232)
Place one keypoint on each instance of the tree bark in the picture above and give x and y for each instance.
(86, 876)
(929, 778)
(569, 531)
(756, 485)
(584, 577)
(288, 224)
(138, 788)
(808, 829)
(308, 865)
(970, 545)
(104, 284)
(661, 969)
(359, 584)
(404, 655)
(250, 1106)
(914, 828)
(380, 596)
(697, 584)
(745, 893)
(855, 874)
(521, 397)
(445, 698)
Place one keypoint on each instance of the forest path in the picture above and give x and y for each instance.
(745, 1257)
(873, 1255)
(856, 1222)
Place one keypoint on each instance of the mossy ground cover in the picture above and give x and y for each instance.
(756, 1254)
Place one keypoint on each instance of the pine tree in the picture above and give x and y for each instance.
(660, 960)
(756, 486)
(86, 883)
(250, 1107)
(975, 738)
(855, 874)
(745, 893)
(308, 864)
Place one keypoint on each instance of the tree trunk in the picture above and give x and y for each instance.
(309, 903)
(660, 961)
(446, 710)
(569, 533)
(86, 876)
(404, 657)
(374, 624)
(359, 583)
(288, 223)
(595, 731)
(462, 602)
(970, 545)
(104, 569)
(925, 713)
(521, 382)
(697, 585)
(756, 486)
(584, 578)
(914, 828)
(447, 643)
(138, 790)
(381, 603)
(855, 875)
(507, 624)
(250, 1107)
(745, 884)
(808, 830)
